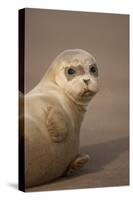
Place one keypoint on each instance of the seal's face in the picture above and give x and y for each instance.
(78, 76)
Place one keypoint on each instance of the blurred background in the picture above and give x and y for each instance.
(105, 130)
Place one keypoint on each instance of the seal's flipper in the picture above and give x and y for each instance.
(76, 164)
(56, 125)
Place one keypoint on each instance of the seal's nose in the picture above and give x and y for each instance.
(86, 81)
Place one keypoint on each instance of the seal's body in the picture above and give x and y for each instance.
(54, 111)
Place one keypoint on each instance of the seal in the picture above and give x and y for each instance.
(54, 111)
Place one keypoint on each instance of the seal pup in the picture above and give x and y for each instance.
(54, 111)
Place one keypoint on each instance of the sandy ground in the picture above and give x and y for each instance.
(108, 167)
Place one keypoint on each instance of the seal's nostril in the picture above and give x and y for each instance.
(86, 81)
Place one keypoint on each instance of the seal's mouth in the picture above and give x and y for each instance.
(87, 93)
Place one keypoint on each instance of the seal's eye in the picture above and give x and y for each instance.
(93, 69)
(71, 71)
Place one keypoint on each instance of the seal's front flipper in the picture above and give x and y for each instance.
(76, 164)
(56, 125)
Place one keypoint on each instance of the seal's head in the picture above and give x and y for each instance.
(75, 72)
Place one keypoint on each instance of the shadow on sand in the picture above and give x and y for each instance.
(103, 153)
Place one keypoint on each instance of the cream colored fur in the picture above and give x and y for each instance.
(54, 111)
